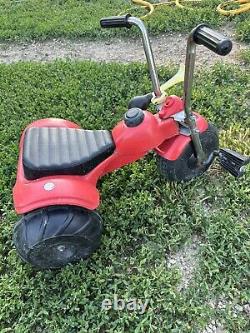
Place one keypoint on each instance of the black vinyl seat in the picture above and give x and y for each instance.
(64, 151)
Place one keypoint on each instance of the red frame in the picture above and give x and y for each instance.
(159, 132)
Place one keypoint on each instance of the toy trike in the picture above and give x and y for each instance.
(60, 163)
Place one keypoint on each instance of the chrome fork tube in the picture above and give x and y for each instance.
(188, 83)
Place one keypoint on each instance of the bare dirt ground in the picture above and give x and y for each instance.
(186, 260)
(168, 49)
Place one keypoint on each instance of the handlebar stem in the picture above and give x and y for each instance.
(148, 53)
(189, 73)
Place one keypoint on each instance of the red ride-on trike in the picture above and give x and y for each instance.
(60, 163)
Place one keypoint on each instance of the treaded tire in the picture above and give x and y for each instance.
(185, 167)
(55, 236)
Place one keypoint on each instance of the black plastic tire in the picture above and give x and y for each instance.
(185, 167)
(55, 236)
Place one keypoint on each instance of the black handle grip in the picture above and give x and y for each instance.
(141, 102)
(115, 22)
(213, 40)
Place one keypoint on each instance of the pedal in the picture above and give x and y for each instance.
(233, 162)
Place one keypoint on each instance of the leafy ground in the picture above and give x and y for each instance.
(245, 56)
(146, 219)
(35, 19)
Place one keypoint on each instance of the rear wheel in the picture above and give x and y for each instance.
(185, 167)
(55, 236)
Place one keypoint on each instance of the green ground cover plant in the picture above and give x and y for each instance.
(245, 56)
(145, 218)
(35, 19)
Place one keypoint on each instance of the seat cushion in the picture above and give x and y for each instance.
(64, 151)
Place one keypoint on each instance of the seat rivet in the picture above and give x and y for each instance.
(49, 186)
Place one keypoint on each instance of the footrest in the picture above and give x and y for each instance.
(233, 162)
(64, 151)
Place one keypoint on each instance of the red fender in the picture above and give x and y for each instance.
(67, 190)
(172, 148)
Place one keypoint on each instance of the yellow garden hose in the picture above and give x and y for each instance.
(243, 6)
(151, 7)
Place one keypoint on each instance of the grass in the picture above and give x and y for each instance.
(35, 19)
(245, 56)
(145, 218)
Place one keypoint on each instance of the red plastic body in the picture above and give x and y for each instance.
(158, 133)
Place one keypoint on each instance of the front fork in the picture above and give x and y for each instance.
(188, 82)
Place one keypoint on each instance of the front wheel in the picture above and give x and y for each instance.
(55, 236)
(185, 167)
